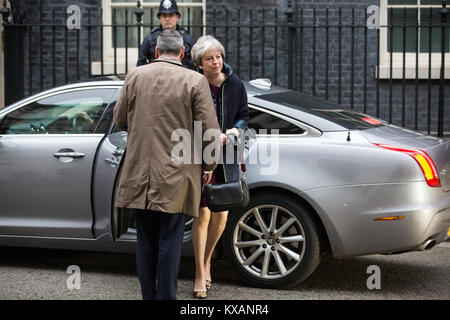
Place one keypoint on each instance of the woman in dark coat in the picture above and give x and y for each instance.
(230, 102)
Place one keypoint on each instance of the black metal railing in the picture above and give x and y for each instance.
(330, 53)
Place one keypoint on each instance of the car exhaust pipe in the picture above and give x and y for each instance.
(430, 245)
(427, 245)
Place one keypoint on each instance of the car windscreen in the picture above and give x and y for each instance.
(333, 112)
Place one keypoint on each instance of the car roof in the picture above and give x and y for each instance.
(263, 95)
(260, 93)
(116, 81)
(76, 85)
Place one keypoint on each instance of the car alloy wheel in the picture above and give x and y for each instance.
(269, 251)
(273, 242)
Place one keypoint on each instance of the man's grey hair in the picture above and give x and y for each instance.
(203, 45)
(169, 41)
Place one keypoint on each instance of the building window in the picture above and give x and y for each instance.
(417, 15)
(118, 42)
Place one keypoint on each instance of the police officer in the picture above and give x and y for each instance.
(168, 16)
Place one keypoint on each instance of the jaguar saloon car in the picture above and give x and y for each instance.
(322, 180)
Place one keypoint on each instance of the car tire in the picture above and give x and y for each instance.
(277, 255)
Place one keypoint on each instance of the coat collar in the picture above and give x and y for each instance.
(169, 60)
(227, 69)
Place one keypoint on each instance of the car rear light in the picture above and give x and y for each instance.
(425, 163)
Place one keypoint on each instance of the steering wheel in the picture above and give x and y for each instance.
(74, 122)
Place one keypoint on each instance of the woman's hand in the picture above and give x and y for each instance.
(207, 176)
(223, 137)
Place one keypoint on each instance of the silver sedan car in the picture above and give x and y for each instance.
(323, 180)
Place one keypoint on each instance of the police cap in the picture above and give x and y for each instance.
(168, 6)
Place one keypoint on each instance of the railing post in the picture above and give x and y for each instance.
(5, 12)
(444, 13)
(139, 12)
(291, 45)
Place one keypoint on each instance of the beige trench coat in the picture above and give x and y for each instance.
(156, 100)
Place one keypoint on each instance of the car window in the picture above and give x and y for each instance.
(76, 112)
(325, 109)
(263, 120)
(106, 119)
(351, 119)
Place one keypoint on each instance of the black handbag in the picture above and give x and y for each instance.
(228, 196)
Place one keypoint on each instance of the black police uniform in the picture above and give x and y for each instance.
(147, 50)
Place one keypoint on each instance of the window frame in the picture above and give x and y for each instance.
(133, 53)
(308, 130)
(383, 70)
(5, 112)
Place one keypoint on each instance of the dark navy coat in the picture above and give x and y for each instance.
(233, 113)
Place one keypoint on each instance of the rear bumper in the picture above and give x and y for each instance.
(348, 215)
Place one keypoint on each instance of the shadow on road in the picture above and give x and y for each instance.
(399, 274)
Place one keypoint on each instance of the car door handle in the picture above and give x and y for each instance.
(74, 155)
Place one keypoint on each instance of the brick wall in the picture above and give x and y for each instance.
(250, 56)
(352, 93)
(39, 41)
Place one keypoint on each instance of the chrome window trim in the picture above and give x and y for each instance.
(56, 135)
(51, 94)
(309, 131)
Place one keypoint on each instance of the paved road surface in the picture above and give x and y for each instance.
(41, 274)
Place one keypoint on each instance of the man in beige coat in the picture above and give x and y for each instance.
(157, 100)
